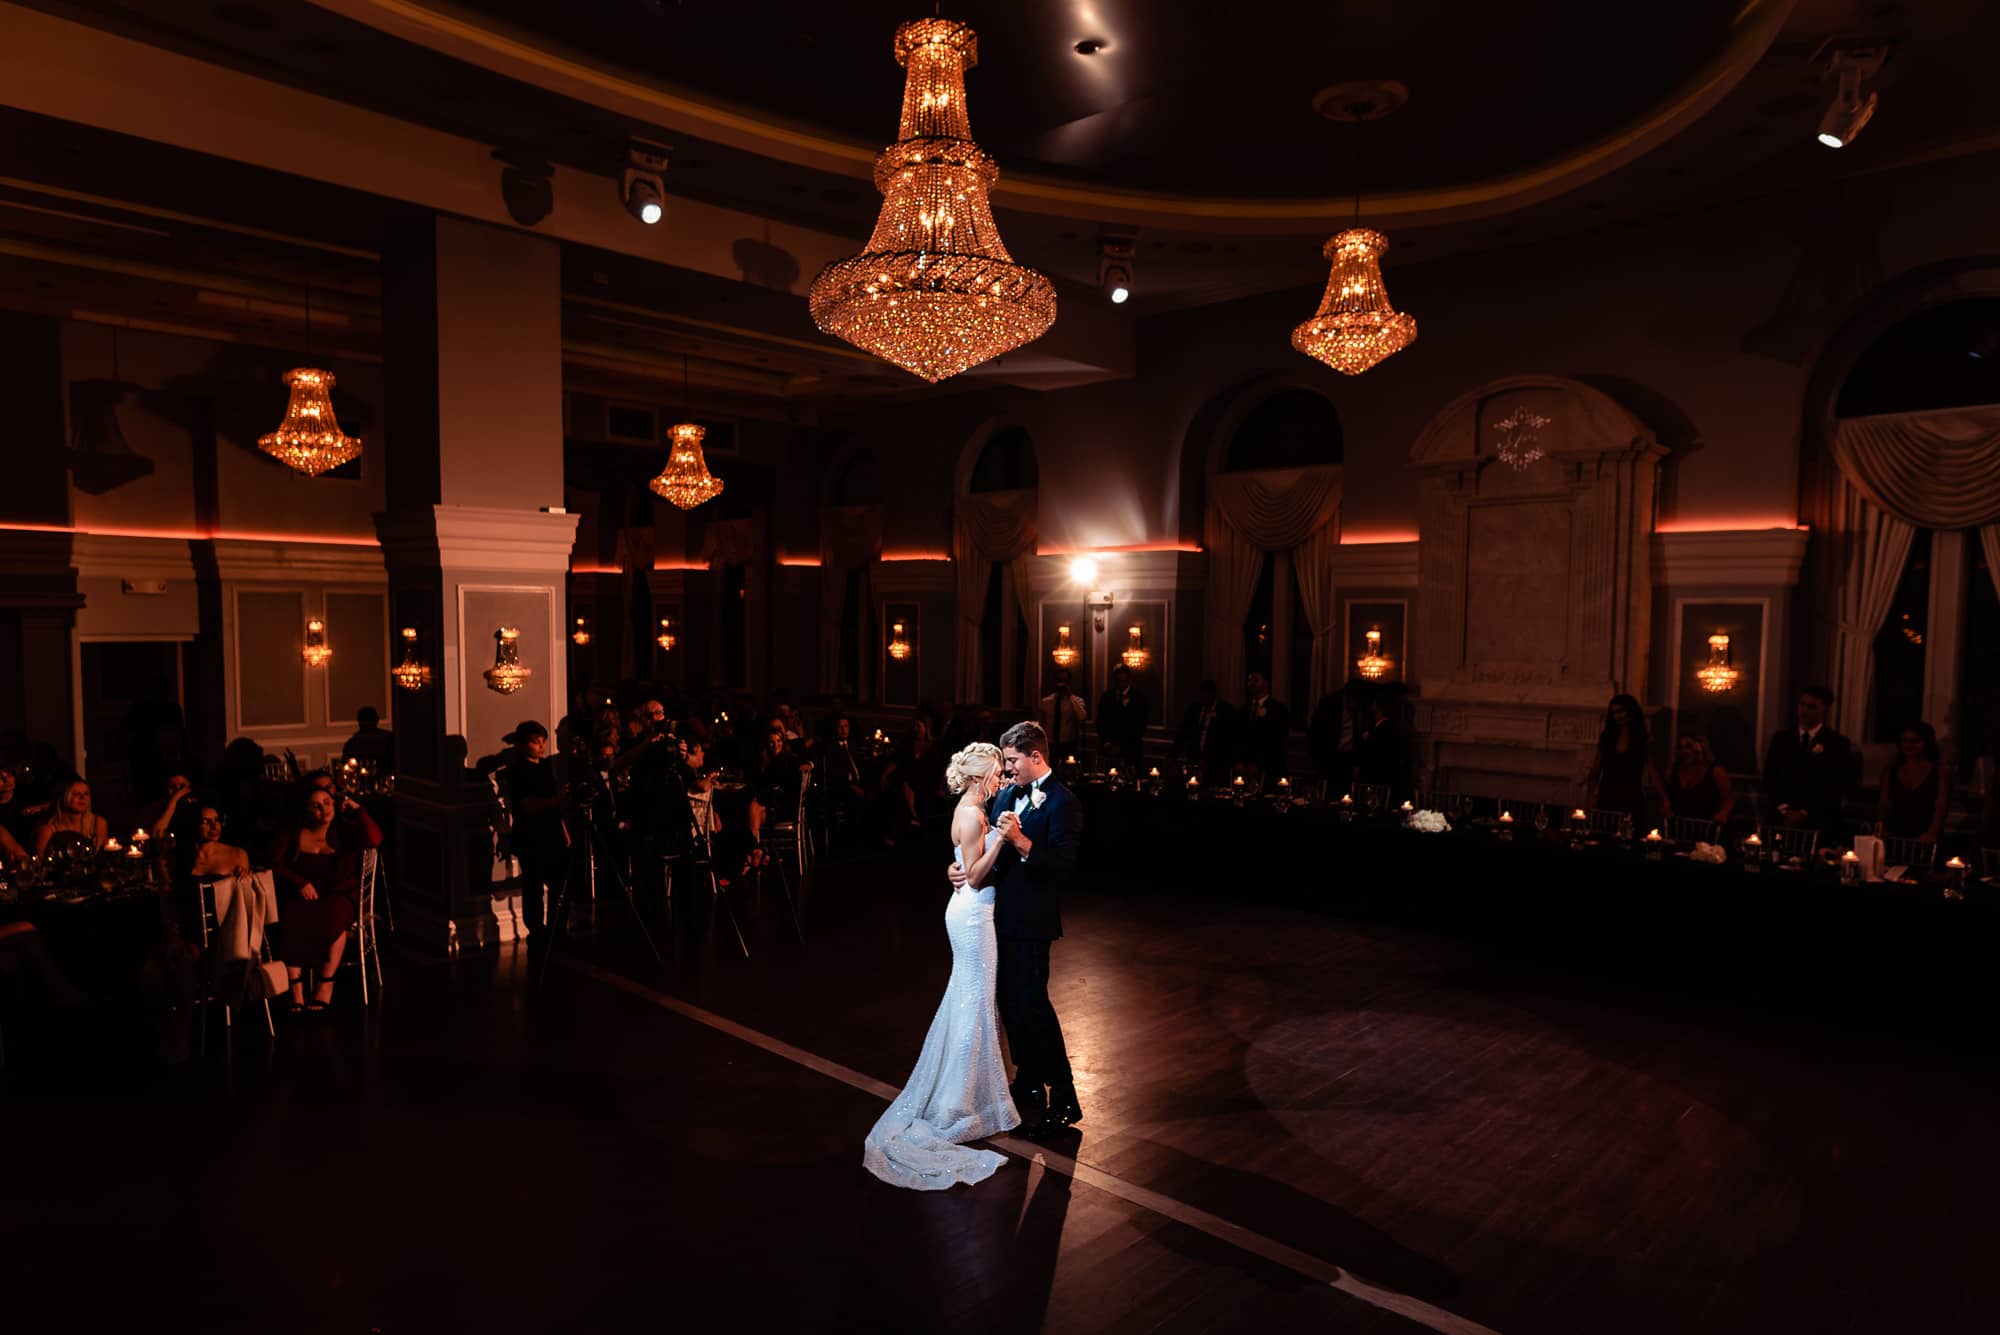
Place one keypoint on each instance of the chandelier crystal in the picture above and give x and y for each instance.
(1716, 676)
(1373, 665)
(1064, 654)
(316, 651)
(935, 292)
(665, 639)
(1355, 326)
(310, 439)
(899, 643)
(507, 675)
(411, 674)
(686, 481)
(1136, 654)
(581, 635)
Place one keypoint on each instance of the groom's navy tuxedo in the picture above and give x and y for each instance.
(1027, 916)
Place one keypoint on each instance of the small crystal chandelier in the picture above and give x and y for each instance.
(1518, 434)
(507, 675)
(1355, 326)
(936, 291)
(1716, 676)
(899, 643)
(411, 674)
(665, 639)
(1372, 664)
(1064, 653)
(310, 439)
(686, 481)
(1136, 654)
(581, 635)
(316, 651)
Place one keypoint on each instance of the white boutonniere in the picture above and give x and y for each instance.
(1819, 748)
(1036, 797)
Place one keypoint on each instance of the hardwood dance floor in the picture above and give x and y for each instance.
(1291, 1123)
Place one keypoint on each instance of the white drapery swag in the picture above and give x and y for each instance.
(1875, 547)
(1250, 515)
(1934, 469)
(991, 526)
(729, 542)
(849, 536)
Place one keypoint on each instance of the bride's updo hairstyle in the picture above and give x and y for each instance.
(971, 765)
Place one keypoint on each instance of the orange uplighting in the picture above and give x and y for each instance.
(665, 563)
(596, 570)
(1375, 539)
(916, 556)
(798, 560)
(1730, 526)
(192, 535)
(1194, 547)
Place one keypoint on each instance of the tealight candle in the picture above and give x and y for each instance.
(1238, 781)
(1406, 807)
(1347, 799)
(1579, 815)
(1284, 783)
(1754, 842)
(1954, 864)
(139, 836)
(1153, 773)
(1193, 781)
(1506, 818)
(1069, 760)
(1652, 836)
(1114, 771)
(135, 852)
(112, 845)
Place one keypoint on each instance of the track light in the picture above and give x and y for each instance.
(1850, 110)
(644, 188)
(1114, 264)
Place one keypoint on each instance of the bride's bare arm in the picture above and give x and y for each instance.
(982, 866)
(968, 833)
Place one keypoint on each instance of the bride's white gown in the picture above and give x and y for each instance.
(958, 1091)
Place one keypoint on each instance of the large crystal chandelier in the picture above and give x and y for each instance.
(508, 674)
(935, 292)
(685, 480)
(1717, 676)
(1355, 326)
(310, 438)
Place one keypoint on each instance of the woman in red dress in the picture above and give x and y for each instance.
(318, 870)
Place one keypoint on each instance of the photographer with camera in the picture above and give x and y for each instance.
(535, 799)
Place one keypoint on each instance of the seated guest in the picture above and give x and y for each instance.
(1063, 717)
(849, 776)
(1267, 728)
(1206, 739)
(214, 859)
(371, 744)
(1808, 771)
(1696, 787)
(1622, 777)
(777, 777)
(157, 817)
(1383, 754)
(11, 852)
(318, 870)
(1122, 716)
(914, 775)
(72, 824)
(1914, 791)
(15, 819)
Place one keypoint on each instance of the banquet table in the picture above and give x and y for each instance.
(1640, 912)
(100, 941)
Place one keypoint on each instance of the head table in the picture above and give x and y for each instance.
(1793, 931)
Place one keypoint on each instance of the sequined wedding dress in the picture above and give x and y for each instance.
(958, 1091)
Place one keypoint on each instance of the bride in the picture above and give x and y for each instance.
(958, 1091)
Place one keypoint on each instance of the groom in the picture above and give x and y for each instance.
(1041, 823)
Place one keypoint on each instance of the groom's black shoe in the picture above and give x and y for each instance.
(1063, 1114)
(1029, 1101)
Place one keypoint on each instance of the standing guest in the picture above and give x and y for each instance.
(158, 817)
(1696, 787)
(1063, 718)
(1267, 728)
(317, 865)
(914, 776)
(1914, 792)
(1335, 733)
(1622, 777)
(1206, 739)
(1808, 771)
(155, 737)
(1383, 754)
(372, 744)
(1122, 716)
(539, 839)
(72, 824)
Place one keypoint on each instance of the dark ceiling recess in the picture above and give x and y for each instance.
(1945, 357)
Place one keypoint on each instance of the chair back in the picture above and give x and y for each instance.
(1522, 809)
(1912, 853)
(1690, 830)
(1790, 841)
(1608, 822)
(1989, 861)
(1372, 796)
(371, 865)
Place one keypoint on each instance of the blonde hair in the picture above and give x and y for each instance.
(971, 765)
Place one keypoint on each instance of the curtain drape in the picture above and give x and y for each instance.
(989, 527)
(1934, 469)
(1250, 515)
(1876, 546)
(1235, 563)
(849, 535)
(1279, 508)
(1312, 562)
(729, 542)
(1989, 541)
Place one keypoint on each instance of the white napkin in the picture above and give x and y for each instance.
(1868, 848)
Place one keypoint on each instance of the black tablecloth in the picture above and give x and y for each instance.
(102, 942)
(1791, 934)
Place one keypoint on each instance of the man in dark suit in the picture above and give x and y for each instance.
(1041, 823)
(1267, 728)
(1808, 770)
(1208, 735)
(1121, 722)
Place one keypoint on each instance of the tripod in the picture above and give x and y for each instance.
(558, 910)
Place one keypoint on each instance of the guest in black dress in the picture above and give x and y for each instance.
(1622, 776)
(72, 823)
(317, 867)
(1914, 791)
(776, 779)
(1696, 787)
(14, 818)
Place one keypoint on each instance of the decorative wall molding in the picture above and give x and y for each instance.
(98, 557)
(256, 562)
(1751, 559)
(476, 537)
(1375, 565)
(1124, 572)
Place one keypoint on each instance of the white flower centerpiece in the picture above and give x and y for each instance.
(1429, 822)
(1710, 853)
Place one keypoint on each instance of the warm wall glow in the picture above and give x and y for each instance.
(798, 560)
(596, 570)
(1375, 539)
(916, 556)
(1127, 547)
(663, 563)
(1729, 526)
(191, 535)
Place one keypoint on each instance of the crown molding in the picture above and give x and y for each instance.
(1747, 559)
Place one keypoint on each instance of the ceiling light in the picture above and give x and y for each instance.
(644, 188)
(1850, 110)
(1083, 570)
(1115, 252)
(1355, 326)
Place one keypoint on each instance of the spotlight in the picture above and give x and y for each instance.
(1083, 570)
(1114, 264)
(644, 189)
(1850, 110)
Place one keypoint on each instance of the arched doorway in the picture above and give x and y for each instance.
(993, 545)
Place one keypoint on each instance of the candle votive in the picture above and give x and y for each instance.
(1954, 878)
(1652, 836)
(1850, 868)
(1506, 818)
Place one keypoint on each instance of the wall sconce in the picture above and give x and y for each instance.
(507, 675)
(899, 643)
(1373, 664)
(1136, 655)
(411, 674)
(581, 635)
(316, 651)
(1099, 603)
(665, 639)
(1716, 676)
(1064, 653)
